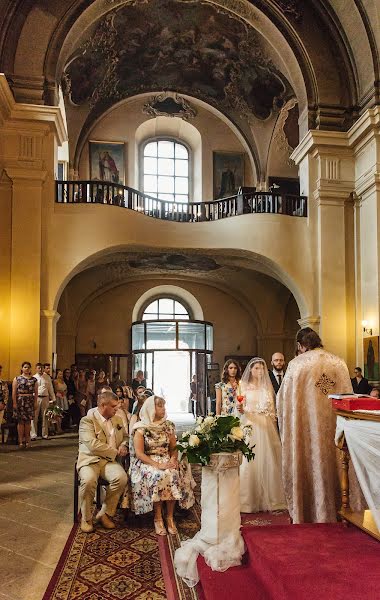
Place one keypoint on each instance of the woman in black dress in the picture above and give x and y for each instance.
(24, 396)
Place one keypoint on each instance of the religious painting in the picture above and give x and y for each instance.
(371, 358)
(107, 162)
(228, 174)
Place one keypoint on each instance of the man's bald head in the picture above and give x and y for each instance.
(278, 361)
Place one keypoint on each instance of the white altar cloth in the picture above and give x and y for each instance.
(363, 443)
(219, 540)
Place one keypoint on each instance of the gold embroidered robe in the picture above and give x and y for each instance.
(307, 428)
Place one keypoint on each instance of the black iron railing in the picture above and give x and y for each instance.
(100, 192)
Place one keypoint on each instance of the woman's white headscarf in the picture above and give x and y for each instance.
(148, 413)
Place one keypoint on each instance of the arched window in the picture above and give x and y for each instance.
(165, 170)
(165, 309)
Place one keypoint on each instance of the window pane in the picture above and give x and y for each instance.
(166, 166)
(161, 335)
(181, 198)
(167, 197)
(138, 336)
(209, 338)
(180, 309)
(166, 305)
(152, 308)
(182, 168)
(150, 165)
(166, 148)
(166, 184)
(150, 184)
(181, 151)
(181, 185)
(192, 334)
(150, 149)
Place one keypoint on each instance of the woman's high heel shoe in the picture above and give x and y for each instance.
(172, 529)
(159, 527)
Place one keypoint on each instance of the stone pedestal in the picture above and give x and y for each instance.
(219, 540)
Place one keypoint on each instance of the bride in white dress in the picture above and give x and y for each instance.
(260, 480)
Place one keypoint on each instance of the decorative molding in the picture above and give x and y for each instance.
(279, 138)
(313, 321)
(291, 8)
(169, 104)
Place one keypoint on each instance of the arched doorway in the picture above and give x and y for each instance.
(170, 348)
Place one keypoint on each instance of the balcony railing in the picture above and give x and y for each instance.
(99, 192)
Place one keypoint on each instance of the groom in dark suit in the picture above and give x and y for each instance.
(277, 372)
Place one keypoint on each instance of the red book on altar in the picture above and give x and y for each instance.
(352, 402)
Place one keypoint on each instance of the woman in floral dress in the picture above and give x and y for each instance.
(156, 476)
(228, 389)
(24, 396)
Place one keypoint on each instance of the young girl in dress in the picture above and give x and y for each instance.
(260, 480)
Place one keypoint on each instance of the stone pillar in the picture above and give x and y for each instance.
(29, 136)
(327, 177)
(48, 337)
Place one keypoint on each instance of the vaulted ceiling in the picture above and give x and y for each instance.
(245, 56)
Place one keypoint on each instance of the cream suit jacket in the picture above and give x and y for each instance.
(93, 440)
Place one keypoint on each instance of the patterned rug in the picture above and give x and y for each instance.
(131, 561)
(110, 565)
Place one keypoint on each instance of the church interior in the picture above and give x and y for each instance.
(183, 182)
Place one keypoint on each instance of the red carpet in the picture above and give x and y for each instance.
(300, 562)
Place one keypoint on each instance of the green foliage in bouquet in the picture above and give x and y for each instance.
(215, 434)
(54, 411)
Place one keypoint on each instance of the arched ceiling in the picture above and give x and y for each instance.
(333, 44)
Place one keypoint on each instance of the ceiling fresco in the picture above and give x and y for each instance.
(191, 47)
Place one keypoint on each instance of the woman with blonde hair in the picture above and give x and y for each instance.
(156, 476)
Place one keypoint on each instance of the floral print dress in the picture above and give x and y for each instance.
(151, 485)
(229, 393)
(25, 398)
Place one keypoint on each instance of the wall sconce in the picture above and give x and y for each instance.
(365, 328)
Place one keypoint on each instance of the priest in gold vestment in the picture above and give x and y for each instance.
(307, 428)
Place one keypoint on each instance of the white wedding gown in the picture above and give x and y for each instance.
(260, 480)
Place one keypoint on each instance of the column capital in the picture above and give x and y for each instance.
(312, 321)
(15, 115)
(319, 142)
(50, 314)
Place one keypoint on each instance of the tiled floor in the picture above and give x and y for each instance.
(36, 488)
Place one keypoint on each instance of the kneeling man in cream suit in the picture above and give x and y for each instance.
(102, 439)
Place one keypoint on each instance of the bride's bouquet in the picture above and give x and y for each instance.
(215, 434)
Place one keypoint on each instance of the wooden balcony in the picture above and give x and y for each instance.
(100, 192)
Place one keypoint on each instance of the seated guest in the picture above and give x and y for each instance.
(116, 380)
(122, 410)
(102, 439)
(156, 476)
(129, 393)
(360, 384)
(375, 393)
(140, 393)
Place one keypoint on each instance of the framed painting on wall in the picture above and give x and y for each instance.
(371, 358)
(228, 173)
(107, 161)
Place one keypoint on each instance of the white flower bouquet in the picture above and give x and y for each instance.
(215, 434)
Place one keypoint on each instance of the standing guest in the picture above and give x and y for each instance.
(24, 396)
(74, 412)
(91, 389)
(277, 373)
(156, 476)
(122, 410)
(128, 393)
(3, 397)
(82, 392)
(60, 388)
(116, 380)
(375, 393)
(139, 393)
(360, 384)
(47, 370)
(307, 427)
(138, 380)
(228, 389)
(260, 480)
(102, 440)
(101, 381)
(136, 410)
(45, 395)
(193, 396)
